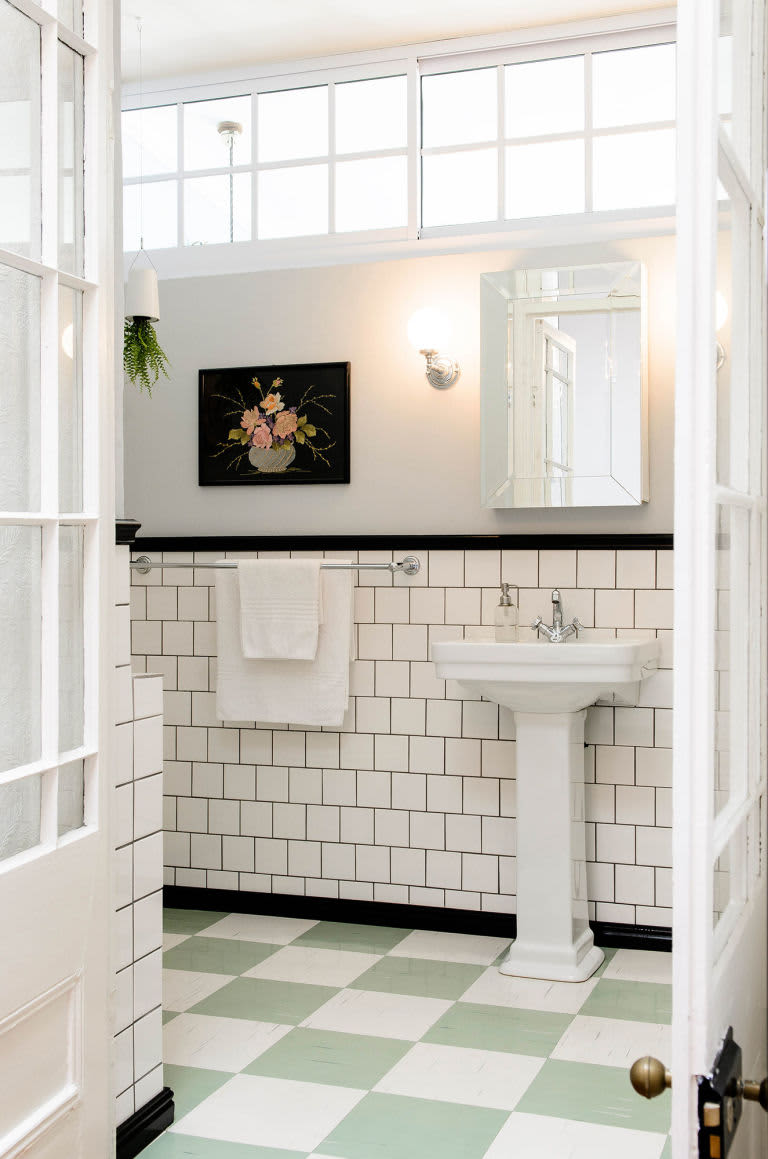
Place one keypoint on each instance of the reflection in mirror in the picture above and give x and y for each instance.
(563, 387)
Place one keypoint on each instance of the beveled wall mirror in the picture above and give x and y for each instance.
(563, 380)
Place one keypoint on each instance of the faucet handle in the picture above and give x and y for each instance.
(536, 623)
(577, 624)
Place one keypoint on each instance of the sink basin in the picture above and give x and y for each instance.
(543, 677)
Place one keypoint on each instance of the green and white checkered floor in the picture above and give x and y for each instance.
(288, 1038)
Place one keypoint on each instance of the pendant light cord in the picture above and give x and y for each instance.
(141, 139)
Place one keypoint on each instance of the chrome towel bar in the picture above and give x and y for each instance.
(409, 565)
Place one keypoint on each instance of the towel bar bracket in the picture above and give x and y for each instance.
(409, 565)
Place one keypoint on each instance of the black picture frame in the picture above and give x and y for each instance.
(274, 425)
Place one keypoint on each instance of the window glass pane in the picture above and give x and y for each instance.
(71, 646)
(460, 187)
(293, 124)
(544, 179)
(205, 147)
(70, 12)
(71, 784)
(217, 209)
(634, 170)
(19, 816)
(633, 86)
(20, 393)
(736, 60)
(19, 132)
(546, 96)
(371, 114)
(371, 194)
(293, 202)
(70, 160)
(149, 136)
(159, 214)
(70, 400)
(459, 108)
(20, 613)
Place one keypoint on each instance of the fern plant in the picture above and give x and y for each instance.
(144, 359)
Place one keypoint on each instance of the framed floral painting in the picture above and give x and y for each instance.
(275, 424)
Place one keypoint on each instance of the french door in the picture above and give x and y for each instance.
(56, 529)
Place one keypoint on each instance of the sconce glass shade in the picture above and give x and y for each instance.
(427, 330)
(68, 340)
(142, 297)
(721, 311)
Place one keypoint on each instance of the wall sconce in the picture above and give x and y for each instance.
(721, 316)
(427, 333)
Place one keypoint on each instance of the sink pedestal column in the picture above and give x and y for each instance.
(554, 940)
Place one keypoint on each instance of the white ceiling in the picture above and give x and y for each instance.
(181, 37)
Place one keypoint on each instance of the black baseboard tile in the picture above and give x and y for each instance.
(409, 542)
(379, 913)
(144, 1125)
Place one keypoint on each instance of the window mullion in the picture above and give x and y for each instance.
(179, 174)
(413, 140)
(254, 165)
(331, 158)
(500, 135)
(588, 135)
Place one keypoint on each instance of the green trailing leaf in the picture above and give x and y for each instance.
(144, 359)
(238, 435)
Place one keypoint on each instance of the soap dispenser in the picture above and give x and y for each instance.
(506, 616)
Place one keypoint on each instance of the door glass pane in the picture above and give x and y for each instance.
(634, 170)
(70, 12)
(731, 675)
(217, 209)
(546, 96)
(459, 108)
(19, 816)
(151, 207)
(460, 187)
(20, 393)
(633, 86)
(150, 141)
(732, 319)
(734, 85)
(71, 644)
(371, 114)
(71, 225)
(293, 124)
(544, 179)
(20, 613)
(293, 202)
(19, 132)
(371, 194)
(205, 146)
(70, 400)
(70, 804)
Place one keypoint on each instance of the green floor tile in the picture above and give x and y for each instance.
(169, 1015)
(172, 1145)
(191, 1084)
(499, 1028)
(667, 1152)
(393, 1127)
(610, 954)
(189, 921)
(265, 1001)
(326, 1056)
(418, 976)
(635, 1001)
(593, 1094)
(217, 955)
(345, 936)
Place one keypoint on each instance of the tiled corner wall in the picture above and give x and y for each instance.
(413, 799)
(138, 869)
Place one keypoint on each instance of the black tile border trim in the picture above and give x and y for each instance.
(142, 1127)
(401, 542)
(126, 531)
(379, 913)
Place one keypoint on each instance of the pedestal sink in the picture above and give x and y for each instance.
(549, 688)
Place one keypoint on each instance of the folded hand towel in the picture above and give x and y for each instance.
(285, 691)
(279, 607)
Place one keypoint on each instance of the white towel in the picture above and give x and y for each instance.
(285, 691)
(279, 607)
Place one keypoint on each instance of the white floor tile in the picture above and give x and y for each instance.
(640, 966)
(444, 947)
(612, 1041)
(457, 1074)
(495, 989)
(270, 1112)
(171, 940)
(259, 928)
(184, 988)
(386, 1015)
(313, 965)
(537, 1136)
(217, 1043)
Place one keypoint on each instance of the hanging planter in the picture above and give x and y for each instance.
(144, 359)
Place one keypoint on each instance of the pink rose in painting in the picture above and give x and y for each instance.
(285, 424)
(272, 403)
(262, 437)
(252, 419)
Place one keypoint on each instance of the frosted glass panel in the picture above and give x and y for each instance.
(20, 393)
(546, 96)
(371, 194)
(149, 135)
(19, 132)
(634, 86)
(19, 816)
(634, 170)
(459, 108)
(71, 224)
(70, 400)
(204, 146)
(544, 179)
(460, 187)
(293, 124)
(217, 209)
(160, 215)
(293, 202)
(20, 611)
(71, 646)
(70, 805)
(371, 114)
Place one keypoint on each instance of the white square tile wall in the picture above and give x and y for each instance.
(413, 799)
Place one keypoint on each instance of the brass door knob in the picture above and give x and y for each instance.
(649, 1077)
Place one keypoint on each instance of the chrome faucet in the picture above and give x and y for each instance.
(558, 633)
